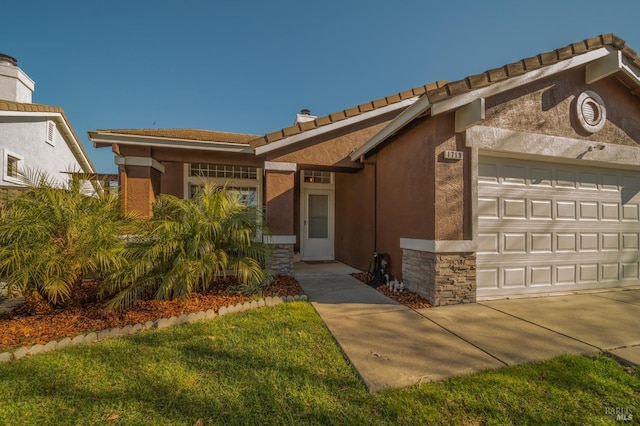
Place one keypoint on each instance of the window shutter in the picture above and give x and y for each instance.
(50, 137)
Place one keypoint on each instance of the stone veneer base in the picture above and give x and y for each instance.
(281, 260)
(442, 278)
(161, 323)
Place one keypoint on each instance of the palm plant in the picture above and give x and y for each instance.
(52, 235)
(188, 244)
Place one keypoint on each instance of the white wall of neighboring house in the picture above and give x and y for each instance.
(38, 141)
(26, 139)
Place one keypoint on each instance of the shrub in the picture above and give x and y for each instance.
(52, 235)
(188, 244)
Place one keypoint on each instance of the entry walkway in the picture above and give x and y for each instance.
(393, 346)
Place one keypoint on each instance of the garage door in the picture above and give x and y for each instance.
(546, 227)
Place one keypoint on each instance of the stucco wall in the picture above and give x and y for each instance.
(172, 180)
(546, 107)
(331, 149)
(355, 217)
(140, 185)
(25, 137)
(405, 191)
(279, 202)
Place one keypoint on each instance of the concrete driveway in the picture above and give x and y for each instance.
(393, 346)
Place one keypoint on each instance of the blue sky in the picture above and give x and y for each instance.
(250, 66)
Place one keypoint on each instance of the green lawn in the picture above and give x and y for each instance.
(279, 365)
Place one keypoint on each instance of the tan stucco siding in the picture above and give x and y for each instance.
(405, 187)
(355, 217)
(142, 185)
(451, 218)
(172, 180)
(331, 149)
(279, 197)
(547, 107)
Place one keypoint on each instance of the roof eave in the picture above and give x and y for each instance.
(101, 139)
(455, 102)
(418, 108)
(282, 143)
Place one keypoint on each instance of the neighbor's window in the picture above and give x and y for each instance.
(12, 165)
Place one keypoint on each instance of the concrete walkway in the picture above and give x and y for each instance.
(393, 346)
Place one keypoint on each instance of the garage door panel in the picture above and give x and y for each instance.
(514, 277)
(488, 208)
(630, 241)
(566, 210)
(630, 212)
(545, 227)
(565, 274)
(541, 209)
(514, 208)
(630, 271)
(540, 275)
(588, 210)
(541, 242)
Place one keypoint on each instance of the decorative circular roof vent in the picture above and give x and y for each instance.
(591, 111)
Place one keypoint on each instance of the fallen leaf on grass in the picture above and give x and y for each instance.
(113, 416)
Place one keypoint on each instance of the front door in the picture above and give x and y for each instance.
(317, 224)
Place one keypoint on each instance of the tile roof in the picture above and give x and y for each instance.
(495, 75)
(441, 90)
(347, 113)
(31, 107)
(188, 134)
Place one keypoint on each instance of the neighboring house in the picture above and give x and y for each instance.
(524, 179)
(34, 136)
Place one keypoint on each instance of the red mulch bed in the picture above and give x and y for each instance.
(84, 313)
(407, 298)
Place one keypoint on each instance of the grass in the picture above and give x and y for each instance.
(281, 366)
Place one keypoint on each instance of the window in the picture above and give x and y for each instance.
(243, 181)
(50, 136)
(12, 167)
(314, 176)
(223, 171)
(247, 195)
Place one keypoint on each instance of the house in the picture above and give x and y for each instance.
(521, 180)
(34, 136)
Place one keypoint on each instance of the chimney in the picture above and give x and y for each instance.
(304, 116)
(15, 85)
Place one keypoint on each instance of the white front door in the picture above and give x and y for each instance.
(317, 224)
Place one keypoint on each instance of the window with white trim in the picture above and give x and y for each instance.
(316, 176)
(50, 136)
(12, 165)
(243, 181)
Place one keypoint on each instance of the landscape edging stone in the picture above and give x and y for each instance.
(160, 323)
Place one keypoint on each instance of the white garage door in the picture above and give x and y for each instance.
(546, 227)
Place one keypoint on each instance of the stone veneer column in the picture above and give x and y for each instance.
(279, 196)
(443, 272)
